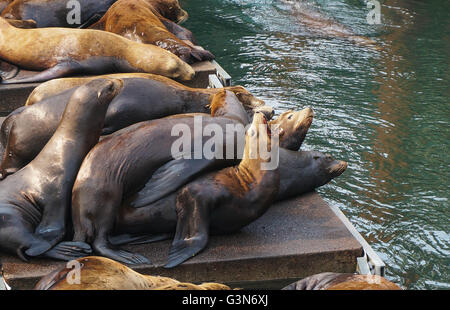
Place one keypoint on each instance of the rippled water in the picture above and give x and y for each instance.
(384, 111)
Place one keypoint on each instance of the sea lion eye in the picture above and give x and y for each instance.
(316, 157)
(290, 116)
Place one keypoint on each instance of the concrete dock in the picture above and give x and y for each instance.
(294, 239)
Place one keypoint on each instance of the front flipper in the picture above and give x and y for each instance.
(58, 71)
(69, 251)
(170, 177)
(137, 239)
(119, 255)
(192, 232)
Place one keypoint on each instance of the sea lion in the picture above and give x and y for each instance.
(56, 13)
(61, 52)
(343, 281)
(135, 20)
(245, 185)
(134, 155)
(34, 201)
(143, 97)
(302, 172)
(99, 273)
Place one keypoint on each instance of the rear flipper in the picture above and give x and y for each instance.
(137, 239)
(192, 232)
(58, 71)
(69, 251)
(199, 54)
(170, 177)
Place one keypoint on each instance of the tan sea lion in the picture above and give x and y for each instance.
(99, 273)
(61, 52)
(343, 281)
(135, 20)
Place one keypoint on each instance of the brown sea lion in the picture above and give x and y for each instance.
(343, 281)
(99, 273)
(135, 20)
(56, 13)
(35, 201)
(143, 97)
(61, 52)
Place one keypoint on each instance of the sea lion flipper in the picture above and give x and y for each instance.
(192, 232)
(58, 71)
(137, 239)
(69, 251)
(170, 177)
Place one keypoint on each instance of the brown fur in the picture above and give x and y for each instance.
(100, 273)
(136, 20)
(43, 48)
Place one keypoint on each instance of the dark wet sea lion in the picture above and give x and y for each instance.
(62, 52)
(144, 97)
(34, 202)
(54, 13)
(134, 154)
(100, 273)
(343, 281)
(135, 20)
(302, 172)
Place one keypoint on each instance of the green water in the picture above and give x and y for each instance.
(384, 111)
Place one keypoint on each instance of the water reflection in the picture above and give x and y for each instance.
(385, 111)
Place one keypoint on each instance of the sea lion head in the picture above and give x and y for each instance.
(328, 167)
(170, 9)
(293, 127)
